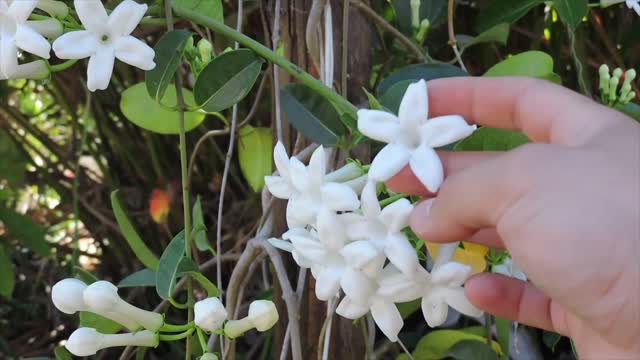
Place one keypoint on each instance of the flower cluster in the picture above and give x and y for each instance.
(610, 94)
(355, 245)
(105, 38)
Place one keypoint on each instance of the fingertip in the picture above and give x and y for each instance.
(483, 290)
(419, 219)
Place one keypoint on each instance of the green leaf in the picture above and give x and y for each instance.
(28, 232)
(434, 345)
(7, 275)
(571, 12)
(420, 71)
(142, 110)
(168, 266)
(84, 275)
(475, 330)
(471, 350)
(144, 254)
(530, 63)
(210, 8)
(631, 109)
(62, 353)
(188, 267)
(254, 154)
(142, 278)
(498, 33)
(374, 104)
(409, 308)
(199, 229)
(551, 339)
(311, 114)
(491, 139)
(13, 163)
(101, 324)
(502, 328)
(169, 50)
(504, 11)
(227, 79)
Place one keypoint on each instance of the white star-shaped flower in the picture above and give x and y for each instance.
(509, 268)
(306, 188)
(106, 38)
(411, 137)
(381, 231)
(15, 33)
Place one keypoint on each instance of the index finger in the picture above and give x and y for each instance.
(544, 111)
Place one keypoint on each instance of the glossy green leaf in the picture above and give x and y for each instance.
(502, 329)
(140, 249)
(254, 154)
(571, 12)
(101, 324)
(169, 50)
(373, 102)
(492, 139)
(13, 162)
(199, 233)
(498, 34)
(227, 79)
(471, 350)
(504, 11)
(631, 109)
(409, 308)
(142, 110)
(210, 8)
(420, 71)
(28, 232)
(7, 274)
(188, 267)
(392, 98)
(311, 114)
(142, 278)
(434, 345)
(551, 339)
(475, 330)
(530, 63)
(433, 10)
(168, 266)
(62, 353)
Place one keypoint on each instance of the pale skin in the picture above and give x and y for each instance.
(567, 208)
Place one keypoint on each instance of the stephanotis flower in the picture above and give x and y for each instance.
(411, 137)
(87, 341)
(106, 38)
(16, 33)
(381, 230)
(631, 4)
(306, 189)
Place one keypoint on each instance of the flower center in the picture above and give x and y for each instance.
(104, 38)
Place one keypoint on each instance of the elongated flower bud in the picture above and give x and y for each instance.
(209, 356)
(102, 298)
(54, 8)
(209, 314)
(605, 76)
(35, 70)
(262, 316)
(50, 28)
(415, 13)
(67, 295)
(88, 341)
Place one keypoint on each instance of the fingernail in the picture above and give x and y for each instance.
(420, 218)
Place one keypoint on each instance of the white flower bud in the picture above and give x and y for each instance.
(209, 314)
(35, 70)
(102, 298)
(348, 172)
(88, 341)
(605, 76)
(67, 295)
(54, 8)
(50, 28)
(262, 316)
(209, 356)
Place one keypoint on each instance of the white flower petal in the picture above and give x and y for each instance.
(301, 211)
(317, 166)
(126, 16)
(378, 125)
(396, 215)
(135, 53)
(359, 253)
(414, 108)
(309, 248)
(445, 130)
(374, 267)
(339, 197)
(278, 187)
(434, 308)
(302, 261)
(8, 56)
(100, 68)
(369, 200)
(388, 318)
(50, 28)
(327, 283)
(445, 253)
(401, 253)
(351, 309)
(30, 41)
(75, 45)
(281, 159)
(427, 167)
(281, 244)
(356, 285)
(330, 230)
(20, 10)
(400, 287)
(389, 161)
(451, 274)
(299, 175)
(92, 15)
(457, 300)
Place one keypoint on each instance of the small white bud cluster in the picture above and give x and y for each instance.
(262, 316)
(209, 314)
(609, 83)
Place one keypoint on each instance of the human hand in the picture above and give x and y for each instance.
(566, 207)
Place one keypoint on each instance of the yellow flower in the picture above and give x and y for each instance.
(472, 255)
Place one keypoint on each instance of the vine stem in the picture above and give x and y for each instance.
(452, 36)
(185, 182)
(338, 101)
